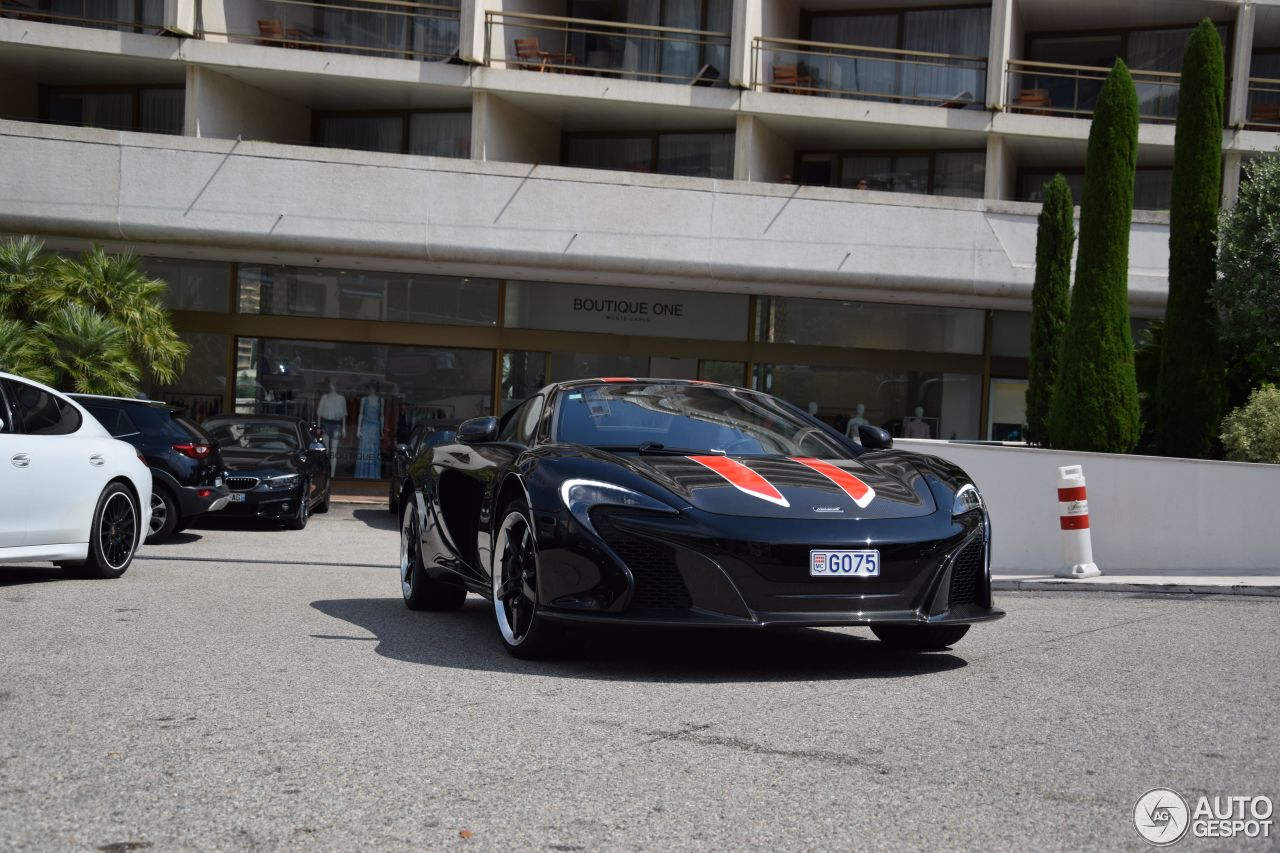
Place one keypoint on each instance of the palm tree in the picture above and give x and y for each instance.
(18, 353)
(85, 352)
(24, 269)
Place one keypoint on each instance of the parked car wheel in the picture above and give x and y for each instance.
(323, 506)
(515, 590)
(113, 536)
(919, 638)
(393, 498)
(303, 510)
(164, 515)
(422, 592)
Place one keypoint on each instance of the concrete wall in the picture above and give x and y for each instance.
(544, 222)
(222, 108)
(502, 131)
(1144, 512)
(759, 153)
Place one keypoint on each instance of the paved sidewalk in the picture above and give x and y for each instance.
(1200, 582)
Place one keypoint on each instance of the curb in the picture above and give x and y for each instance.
(1066, 585)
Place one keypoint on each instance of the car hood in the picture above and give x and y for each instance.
(877, 484)
(239, 460)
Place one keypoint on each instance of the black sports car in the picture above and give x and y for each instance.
(664, 502)
(277, 466)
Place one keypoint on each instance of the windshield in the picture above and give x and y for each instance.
(700, 418)
(255, 435)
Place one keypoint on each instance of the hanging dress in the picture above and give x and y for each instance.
(369, 452)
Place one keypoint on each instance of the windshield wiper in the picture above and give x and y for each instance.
(659, 449)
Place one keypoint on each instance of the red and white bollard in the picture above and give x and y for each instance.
(1073, 506)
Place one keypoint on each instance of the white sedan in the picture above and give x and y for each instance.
(69, 492)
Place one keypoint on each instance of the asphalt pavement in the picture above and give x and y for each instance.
(248, 688)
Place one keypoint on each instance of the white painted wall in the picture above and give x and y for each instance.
(220, 107)
(1144, 512)
(534, 222)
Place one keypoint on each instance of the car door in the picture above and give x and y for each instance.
(62, 474)
(314, 460)
(13, 498)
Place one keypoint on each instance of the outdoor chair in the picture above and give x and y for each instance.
(789, 78)
(529, 55)
(271, 32)
(1035, 101)
(1265, 114)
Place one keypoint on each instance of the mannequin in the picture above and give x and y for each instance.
(858, 419)
(917, 427)
(813, 408)
(369, 435)
(332, 414)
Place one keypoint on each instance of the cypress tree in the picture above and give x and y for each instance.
(1095, 400)
(1050, 299)
(1189, 393)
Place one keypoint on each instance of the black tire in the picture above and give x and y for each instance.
(420, 590)
(114, 534)
(522, 628)
(165, 524)
(303, 510)
(323, 506)
(183, 523)
(393, 499)
(919, 638)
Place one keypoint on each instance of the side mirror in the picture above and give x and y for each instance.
(874, 438)
(402, 450)
(478, 430)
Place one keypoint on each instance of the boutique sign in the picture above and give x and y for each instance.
(626, 311)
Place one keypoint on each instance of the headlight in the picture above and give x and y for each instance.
(281, 483)
(580, 496)
(967, 500)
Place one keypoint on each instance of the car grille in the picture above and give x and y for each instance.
(968, 575)
(241, 484)
(659, 585)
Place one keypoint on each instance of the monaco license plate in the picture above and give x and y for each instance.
(844, 564)
(237, 497)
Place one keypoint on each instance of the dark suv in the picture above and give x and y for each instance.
(186, 466)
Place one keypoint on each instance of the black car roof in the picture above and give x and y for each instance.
(233, 418)
(618, 380)
(133, 401)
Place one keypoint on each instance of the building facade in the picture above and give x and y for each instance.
(433, 209)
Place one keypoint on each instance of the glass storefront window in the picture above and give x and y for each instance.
(953, 173)
(1008, 416)
(869, 325)
(909, 404)
(1011, 333)
(362, 295)
(726, 372)
(193, 285)
(434, 134)
(577, 365)
(523, 374)
(201, 388)
(367, 397)
(1152, 187)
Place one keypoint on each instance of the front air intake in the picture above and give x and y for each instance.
(968, 574)
(659, 585)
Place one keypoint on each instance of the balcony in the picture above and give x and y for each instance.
(391, 28)
(868, 73)
(142, 16)
(1050, 88)
(1264, 104)
(630, 51)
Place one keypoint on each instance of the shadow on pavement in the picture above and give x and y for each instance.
(16, 575)
(467, 639)
(377, 517)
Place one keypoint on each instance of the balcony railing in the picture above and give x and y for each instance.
(868, 73)
(393, 28)
(135, 16)
(1049, 88)
(606, 48)
(1264, 104)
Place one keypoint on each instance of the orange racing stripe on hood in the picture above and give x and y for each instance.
(742, 478)
(861, 493)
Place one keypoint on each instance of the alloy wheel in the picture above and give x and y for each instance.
(515, 578)
(410, 545)
(118, 530)
(159, 513)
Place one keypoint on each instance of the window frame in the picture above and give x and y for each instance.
(48, 92)
(318, 116)
(652, 135)
(60, 401)
(892, 154)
